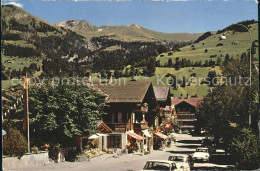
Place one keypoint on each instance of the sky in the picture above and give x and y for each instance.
(169, 16)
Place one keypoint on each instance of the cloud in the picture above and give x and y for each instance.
(15, 4)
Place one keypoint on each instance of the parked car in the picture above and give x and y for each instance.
(162, 165)
(201, 154)
(184, 159)
(185, 131)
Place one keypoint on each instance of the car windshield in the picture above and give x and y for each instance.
(176, 158)
(202, 150)
(157, 166)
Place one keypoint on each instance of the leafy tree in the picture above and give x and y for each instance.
(246, 150)
(158, 63)
(103, 74)
(132, 72)
(169, 62)
(219, 61)
(127, 73)
(224, 112)
(177, 63)
(58, 113)
(116, 74)
(206, 63)
(14, 143)
(212, 78)
(151, 66)
(227, 59)
(137, 72)
(183, 81)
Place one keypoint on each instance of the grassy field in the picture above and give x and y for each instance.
(195, 88)
(20, 43)
(160, 79)
(18, 63)
(6, 84)
(243, 40)
(112, 48)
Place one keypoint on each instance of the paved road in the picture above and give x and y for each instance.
(185, 144)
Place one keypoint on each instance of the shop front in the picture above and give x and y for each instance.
(135, 142)
(160, 141)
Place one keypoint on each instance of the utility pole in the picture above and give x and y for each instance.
(250, 71)
(26, 111)
(28, 121)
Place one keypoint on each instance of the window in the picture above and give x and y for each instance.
(158, 166)
(120, 117)
(114, 141)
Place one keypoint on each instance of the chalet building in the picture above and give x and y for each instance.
(131, 113)
(162, 94)
(185, 110)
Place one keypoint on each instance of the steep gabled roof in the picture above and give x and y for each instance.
(130, 92)
(161, 93)
(192, 101)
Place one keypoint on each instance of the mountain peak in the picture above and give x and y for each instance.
(81, 25)
(135, 25)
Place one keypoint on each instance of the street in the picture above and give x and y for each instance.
(185, 144)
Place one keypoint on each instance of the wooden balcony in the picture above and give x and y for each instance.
(141, 109)
(119, 127)
(123, 127)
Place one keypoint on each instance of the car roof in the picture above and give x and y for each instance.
(165, 161)
(204, 148)
(182, 155)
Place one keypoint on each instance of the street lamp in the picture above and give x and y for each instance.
(250, 53)
(250, 72)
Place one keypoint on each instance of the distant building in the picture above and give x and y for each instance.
(185, 110)
(222, 37)
(162, 94)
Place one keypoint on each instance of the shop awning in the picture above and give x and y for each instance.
(94, 136)
(136, 136)
(161, 135)
(102, 135)
(146, 133)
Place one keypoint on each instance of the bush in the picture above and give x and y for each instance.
(206, 50)
(14, 143)
(219, 44)
(246, 150)
(213, 56)
(193, 75)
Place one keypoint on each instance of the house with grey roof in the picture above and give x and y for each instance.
(131, 113)
(162, 94)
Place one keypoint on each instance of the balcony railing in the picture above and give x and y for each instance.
(141, 109)
(123, 127)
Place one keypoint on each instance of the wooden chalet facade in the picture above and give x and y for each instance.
(132, 111)
(185, 110)
(162, 94)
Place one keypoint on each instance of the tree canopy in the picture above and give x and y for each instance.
(224, 113)
(61, 112)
